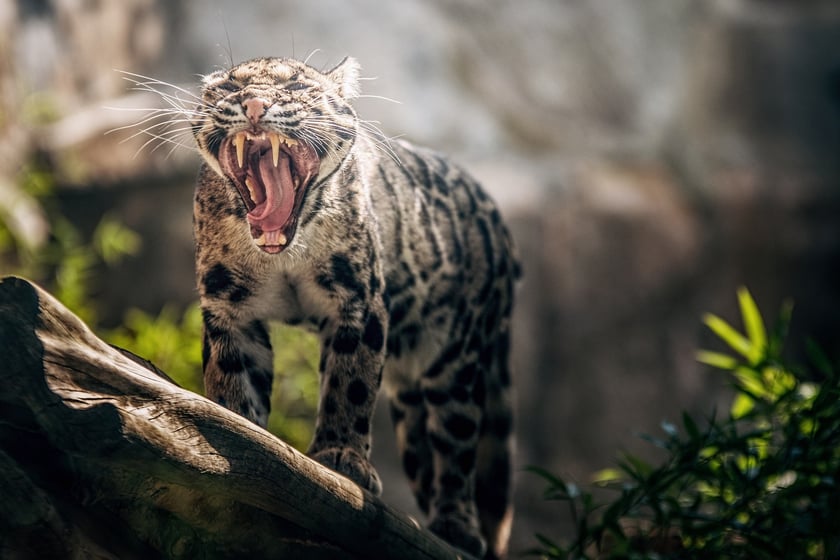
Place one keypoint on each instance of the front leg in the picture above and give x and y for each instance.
(238, 364)
(352, 358)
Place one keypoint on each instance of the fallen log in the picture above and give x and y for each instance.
(103, 456)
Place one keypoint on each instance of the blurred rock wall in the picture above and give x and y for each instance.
(650, 156)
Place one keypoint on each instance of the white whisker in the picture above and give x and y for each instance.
(147, 81)
(313, 53)
(380, 97)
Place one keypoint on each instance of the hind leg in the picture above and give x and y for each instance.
(494, 464)
(409, 416)
(453, 401)
(494, 484)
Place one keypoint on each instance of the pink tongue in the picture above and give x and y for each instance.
(273, 213)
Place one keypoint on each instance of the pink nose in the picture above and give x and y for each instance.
(255, 108)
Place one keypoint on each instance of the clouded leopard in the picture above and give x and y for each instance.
(395, 257)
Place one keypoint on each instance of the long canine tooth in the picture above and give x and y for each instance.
(239, 142)
(275, 147)
(249, 183)
(281, 238)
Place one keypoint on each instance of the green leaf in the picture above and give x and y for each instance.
(690, 426)
(729, 335)
(742, 405)
(635, 467)
(547, 476)
(606, 476)
(751, 381)
(754, 325)
(113, 241)
(819, 358)
(716, 359)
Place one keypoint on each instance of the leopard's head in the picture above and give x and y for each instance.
(275, 128)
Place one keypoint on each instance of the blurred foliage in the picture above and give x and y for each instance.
(69, 266)
(760, 483)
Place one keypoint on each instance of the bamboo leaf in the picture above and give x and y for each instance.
(754, 325)
(606, 476)
(690, 426)
(742, 405)
(716, 359)
(729, 335)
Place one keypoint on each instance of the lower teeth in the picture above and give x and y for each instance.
(271, 238)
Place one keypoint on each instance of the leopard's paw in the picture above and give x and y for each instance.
(458, 531)
(351, 464)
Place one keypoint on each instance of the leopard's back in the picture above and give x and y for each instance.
(450, 273)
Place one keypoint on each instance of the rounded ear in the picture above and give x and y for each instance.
(345, 76)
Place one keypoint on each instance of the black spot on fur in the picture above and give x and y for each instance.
(449, 355)
(503, 353)
(485, 357)
(394, 346)
(491, 319)
(205, 350)
(466, 461)
(329, 405)
(375, 282)
(229, 360)
(466, 375)
(492, 488)
(329, 435)
(436, 397)
(411, 336)
(210, 324)
(500, 426)
(460, 394)
(374, 337)
(261, 380)
(487, 242)
(346, 340)
(411, 398)
(239, 293)
(357, 392)
(479, 392)
(460, 426)
(400, 309)
(361, 425)
(397, 414)
(411, 464)
(446, 509)
(217, 280)
(439, 444)
(343, 274)
(256, 331)
(451, 481)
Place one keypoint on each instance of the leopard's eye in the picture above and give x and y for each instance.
(229, 86)
(295, 86)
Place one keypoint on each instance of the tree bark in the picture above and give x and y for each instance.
(104, 457)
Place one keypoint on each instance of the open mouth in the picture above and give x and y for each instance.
(272, 173)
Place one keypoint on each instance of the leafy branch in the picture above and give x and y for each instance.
(759, 483)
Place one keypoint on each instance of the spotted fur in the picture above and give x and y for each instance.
(394, 256)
